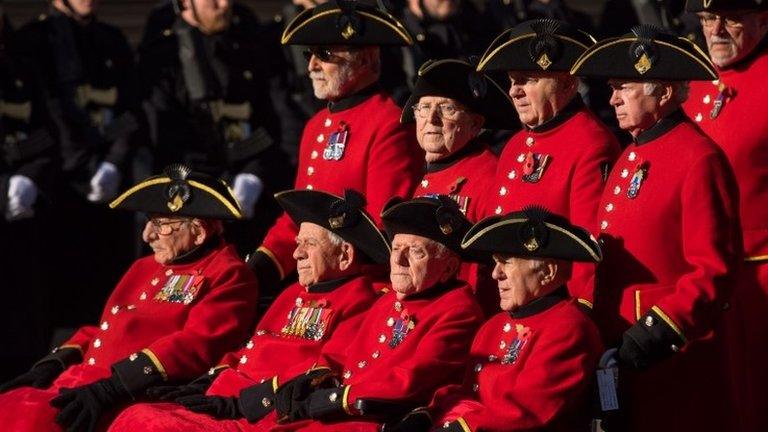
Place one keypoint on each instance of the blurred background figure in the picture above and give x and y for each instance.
(27, 162)
(205, 92)
(85, 69)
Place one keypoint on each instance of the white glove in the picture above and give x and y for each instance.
(247, 190)
(22, 194)
(104, 183)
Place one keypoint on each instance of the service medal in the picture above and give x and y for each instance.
(337, 142)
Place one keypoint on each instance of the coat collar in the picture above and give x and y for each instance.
(471, 148)
(328, 286)
(198, 252)
(435, 291)
(353, 100)
(661, 127)
(571, 109)
(541, 304)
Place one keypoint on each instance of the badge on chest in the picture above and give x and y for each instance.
(534, 165)
(638, 177)
(180, 288)
(308, 320)
(401, 325)
(511, 349)
(337, 143)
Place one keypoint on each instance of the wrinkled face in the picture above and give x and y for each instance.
(441, 9)
(317, 257)
(446, 126)
(82, 8)
(416, 264)
(210, 16)
(635, 110)
(336, 74)
(170, 237)
(519, 281)
(538, 96)
(732, 37)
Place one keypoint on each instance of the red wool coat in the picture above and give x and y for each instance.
(567, 160)
(671, 242)
(182, 327)
(466, 177)
(374, 154)
(732, 111)
(431, 353)
(274, 347)
(528, 370)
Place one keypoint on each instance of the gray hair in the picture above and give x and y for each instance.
(680, 89)
(334, 238)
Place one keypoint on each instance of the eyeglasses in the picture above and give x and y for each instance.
(444, 110)
(323, 54)
(709, 20)
(165, 228)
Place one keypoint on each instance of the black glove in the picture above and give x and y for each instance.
(81, 407)
(219, 407)
(296, 391)
(649, 341)
(416, 421)
(197, 387)
(39, 376)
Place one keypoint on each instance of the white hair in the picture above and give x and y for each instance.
(680, 89)
(334, 238)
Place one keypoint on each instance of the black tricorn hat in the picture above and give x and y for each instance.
(542, 45)
(646, 53)
(179, 191)
(460, 81)
(533, 232)
(345, 22)
(435, 217)
(725, 5)
(344, 217)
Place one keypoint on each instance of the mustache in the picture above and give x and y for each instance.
(718, 39)
(316, 75)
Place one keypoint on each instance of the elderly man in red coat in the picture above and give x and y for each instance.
(414, 339)
(669, 227)
(531, 365)
(356, 142)
(731, 110)
(451, 103)
(325, 307)
(562, 156)
(170, 317)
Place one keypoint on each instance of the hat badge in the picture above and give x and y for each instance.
(178, 191)
(446, 228)
(544, 62)
(707, 3)
(643, 64)
(531, 244)
(348, 31)
(337, 222)
(176, 203)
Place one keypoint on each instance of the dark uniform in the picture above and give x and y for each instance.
(669, 226)
(162, 322)
(86, 72)
(209, 107)
(27, 154)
